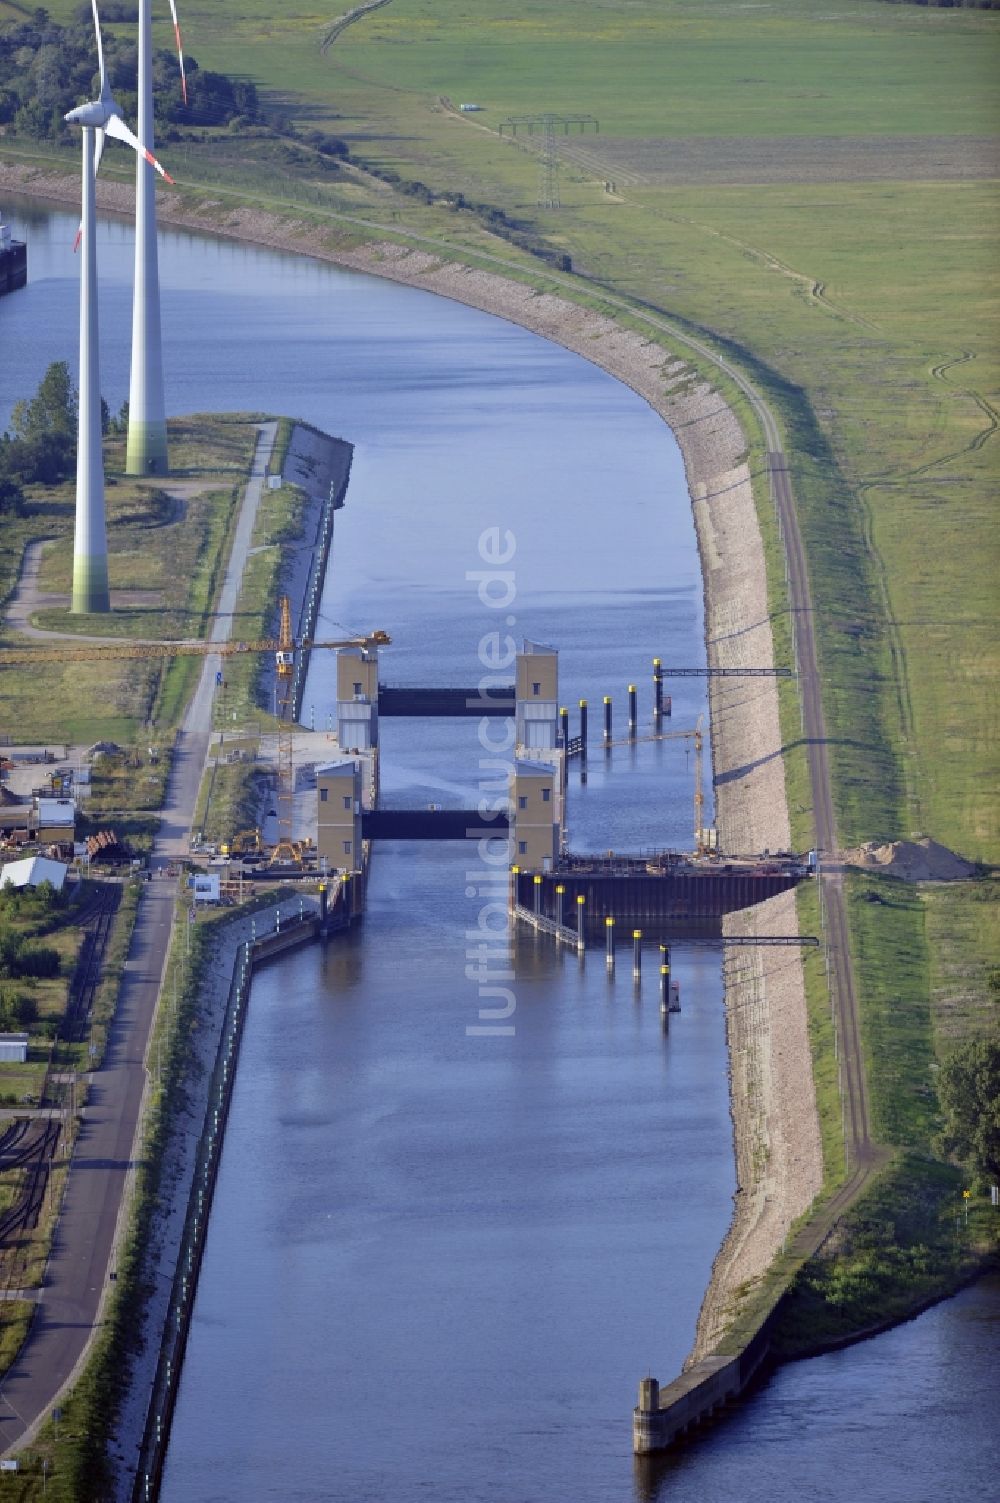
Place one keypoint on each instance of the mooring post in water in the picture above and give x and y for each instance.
(665, 983)
(633, 710)
(609, 931)
(583, 730)
(348, 896)
(323, 899)
(657, 689)
(538, 894)
(581, 941)
(637, 953)
(512, 890)
(645, 1430)
(560, 891)
(607, 718)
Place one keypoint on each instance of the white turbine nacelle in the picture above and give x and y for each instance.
(104, 115)
(96, 114)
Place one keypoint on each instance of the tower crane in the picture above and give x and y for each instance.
(284, 647)
(101, 652)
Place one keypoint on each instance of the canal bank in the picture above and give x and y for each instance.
(190, 1167)
(705, 423)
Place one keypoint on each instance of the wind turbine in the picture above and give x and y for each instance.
(98, 119)
(146, 449)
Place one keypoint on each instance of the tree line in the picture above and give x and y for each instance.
(969, 1093)
(47, 68)
(41, 450)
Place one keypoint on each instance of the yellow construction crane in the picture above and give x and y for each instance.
(284, 647)
(100, 652)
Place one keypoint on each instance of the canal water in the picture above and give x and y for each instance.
(440, 1258)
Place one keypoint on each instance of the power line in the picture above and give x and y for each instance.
(548, 158)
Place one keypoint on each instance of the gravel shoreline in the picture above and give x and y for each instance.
(775, 1124)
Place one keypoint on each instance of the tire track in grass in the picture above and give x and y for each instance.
(939, 372)
(897, 650)
(334, 28)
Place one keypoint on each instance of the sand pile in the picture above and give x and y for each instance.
(912, 860)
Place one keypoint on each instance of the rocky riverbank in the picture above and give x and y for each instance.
(776, 1129)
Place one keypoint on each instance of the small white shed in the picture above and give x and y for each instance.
(13, 1048)
(31, 871)
(206, 887)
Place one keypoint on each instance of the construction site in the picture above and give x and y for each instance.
(318, 788)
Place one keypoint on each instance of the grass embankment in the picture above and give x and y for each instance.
(835, 286)
(924, 961)
(851, 280)
(231, 795)
(168, 542)
(827, 290)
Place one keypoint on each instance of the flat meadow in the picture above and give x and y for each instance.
(811, 191)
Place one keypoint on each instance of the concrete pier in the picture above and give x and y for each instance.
(664, 1416)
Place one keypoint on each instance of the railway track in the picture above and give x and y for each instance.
(14, 1133)
(98, 919)
(861, 1153)
(35, 1159)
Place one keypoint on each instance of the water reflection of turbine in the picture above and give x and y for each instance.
(100, 118)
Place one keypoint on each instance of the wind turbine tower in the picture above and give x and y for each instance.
(90, 541)
(98, 120)
(146, 449)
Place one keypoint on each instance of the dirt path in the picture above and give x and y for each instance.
(29, 597)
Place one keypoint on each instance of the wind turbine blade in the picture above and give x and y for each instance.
(180, 50)
(100, 44)
(116, 127)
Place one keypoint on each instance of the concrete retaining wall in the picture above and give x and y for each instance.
(664, 1416)
(295, 931)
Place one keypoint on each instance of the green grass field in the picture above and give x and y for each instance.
(868, 305)
(169, 549)
(860, 297)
